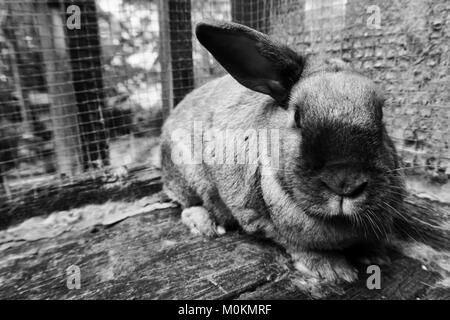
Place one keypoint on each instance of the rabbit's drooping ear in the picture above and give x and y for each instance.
(252, 58)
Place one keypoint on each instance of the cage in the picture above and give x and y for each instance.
(85, 87)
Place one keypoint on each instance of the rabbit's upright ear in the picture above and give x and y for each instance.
(252, 58)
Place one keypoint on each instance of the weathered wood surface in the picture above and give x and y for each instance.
(56, 194)
(152, 256)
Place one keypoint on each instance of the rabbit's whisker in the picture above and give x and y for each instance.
(406, 168)
(405, 219)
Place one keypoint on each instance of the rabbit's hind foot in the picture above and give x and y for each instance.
(200, 222)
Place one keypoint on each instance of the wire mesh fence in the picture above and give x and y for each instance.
(85, 85)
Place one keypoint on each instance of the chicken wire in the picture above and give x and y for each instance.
(75, 102)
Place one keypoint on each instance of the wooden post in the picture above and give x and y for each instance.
(63, 106)
(85, 59)
(176, 43)
(10, 39)
(18, 84)
(252, 13)
(164, 58)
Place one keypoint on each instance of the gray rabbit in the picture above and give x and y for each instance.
(325, 185)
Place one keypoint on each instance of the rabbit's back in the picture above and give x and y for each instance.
(224, 105)
(221, 103)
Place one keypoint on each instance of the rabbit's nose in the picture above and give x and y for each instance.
(346, 185)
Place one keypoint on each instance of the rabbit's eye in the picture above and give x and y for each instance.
(297, 118)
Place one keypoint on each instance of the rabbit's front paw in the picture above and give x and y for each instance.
(326, 266)
(199, 221)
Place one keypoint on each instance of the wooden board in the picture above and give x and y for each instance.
(152, 256)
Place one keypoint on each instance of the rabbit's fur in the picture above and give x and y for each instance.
(329, 124)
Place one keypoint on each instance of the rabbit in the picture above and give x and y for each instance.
(329, 184)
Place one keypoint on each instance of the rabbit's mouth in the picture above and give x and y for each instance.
(344, 206)
(355, 209)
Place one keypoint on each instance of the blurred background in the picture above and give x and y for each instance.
(85, 86)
